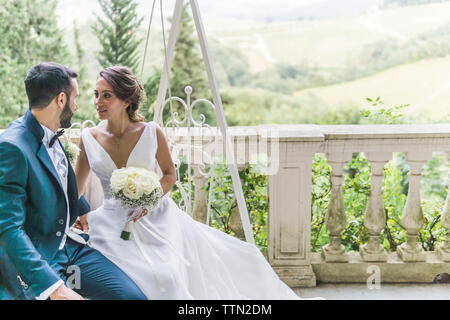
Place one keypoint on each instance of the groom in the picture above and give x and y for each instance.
(39, 202)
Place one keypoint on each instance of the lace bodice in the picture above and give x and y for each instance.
(143, 155)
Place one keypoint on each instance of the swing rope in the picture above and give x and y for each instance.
(167, 60)
(146, 41)
(165, 50)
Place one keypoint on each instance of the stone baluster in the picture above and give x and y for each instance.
(412, 217)
(200, 202)
(375, 216)
(235, 216)
(335, 219)
(240, 148)
(443, 250)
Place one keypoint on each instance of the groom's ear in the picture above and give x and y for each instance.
(61, 100)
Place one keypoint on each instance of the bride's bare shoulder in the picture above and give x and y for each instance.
(97, 130)
(139, 126)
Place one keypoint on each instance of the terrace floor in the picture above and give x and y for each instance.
(387, 291)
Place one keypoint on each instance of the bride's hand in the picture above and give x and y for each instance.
(81, 223)
(137, 216)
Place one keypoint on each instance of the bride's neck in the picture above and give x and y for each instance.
(118, 126)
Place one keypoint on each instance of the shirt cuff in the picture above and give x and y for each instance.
(44, 295)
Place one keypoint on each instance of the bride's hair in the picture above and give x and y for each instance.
(126, 87)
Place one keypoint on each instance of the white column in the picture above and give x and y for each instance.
(375, 217)
(235, 217)
(412, 217)
(335, 219)
(200, 202)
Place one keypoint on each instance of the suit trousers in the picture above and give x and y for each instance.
(92, 275)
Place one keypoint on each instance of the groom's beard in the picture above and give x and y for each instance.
(66, 116)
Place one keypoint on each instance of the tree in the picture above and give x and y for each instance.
(35, 39)
(187, 69)
(85, 99)
(188, 63)
(117, 34)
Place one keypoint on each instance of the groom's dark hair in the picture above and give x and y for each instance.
(45, 81)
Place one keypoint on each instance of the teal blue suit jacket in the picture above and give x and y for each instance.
(33, 210)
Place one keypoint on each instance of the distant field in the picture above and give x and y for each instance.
(425, 85)
(325, 42)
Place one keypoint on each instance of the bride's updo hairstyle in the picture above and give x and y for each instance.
(126, 87)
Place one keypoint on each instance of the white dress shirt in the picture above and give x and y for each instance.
(60, 163)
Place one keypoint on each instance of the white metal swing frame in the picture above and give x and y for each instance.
(161, 101)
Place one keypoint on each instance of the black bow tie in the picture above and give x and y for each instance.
(56, 136)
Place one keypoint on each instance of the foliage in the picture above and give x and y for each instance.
(117, 33)
(254, 186)
(35, 39)
(231, 65)
(246, 107)
(391, 115)
(320, 197)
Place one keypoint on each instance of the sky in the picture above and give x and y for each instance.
(273, 10)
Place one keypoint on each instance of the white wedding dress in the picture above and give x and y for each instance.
(170, 255)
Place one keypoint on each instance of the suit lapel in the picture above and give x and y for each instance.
(35, 128)
(42, 154)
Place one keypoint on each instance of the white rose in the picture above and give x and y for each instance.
(145, 183)
(119, 180)
(132, 190)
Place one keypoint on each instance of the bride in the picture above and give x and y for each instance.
(169, 255)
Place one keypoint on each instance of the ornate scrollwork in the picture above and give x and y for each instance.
(203, 151)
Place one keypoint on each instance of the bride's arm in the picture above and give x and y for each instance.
(165, 162)
(82, 169)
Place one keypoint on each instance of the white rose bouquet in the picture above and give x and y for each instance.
(137, 189)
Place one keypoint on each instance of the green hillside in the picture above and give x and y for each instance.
(424, 84)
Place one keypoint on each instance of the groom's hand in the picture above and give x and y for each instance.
(64, 293)
(81, 223)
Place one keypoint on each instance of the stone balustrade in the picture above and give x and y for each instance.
(290, 149)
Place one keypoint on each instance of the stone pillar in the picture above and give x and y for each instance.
(375, 217)
(200, 202)
(443, 250)
(335, 219)
(412, 217)
(289, 221)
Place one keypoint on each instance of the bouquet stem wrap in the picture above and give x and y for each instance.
(126, 232)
